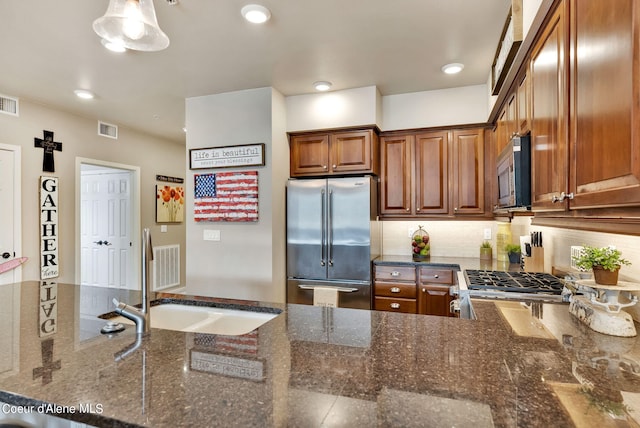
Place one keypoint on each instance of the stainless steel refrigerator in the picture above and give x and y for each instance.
(332, 237)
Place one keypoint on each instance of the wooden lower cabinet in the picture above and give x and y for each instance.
(413, 289)
(395, 304)
(433, 291)
(395, 288)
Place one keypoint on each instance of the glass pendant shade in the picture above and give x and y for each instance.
(132, 24)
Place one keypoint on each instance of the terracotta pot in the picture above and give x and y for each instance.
(486, 253)
(604, 276)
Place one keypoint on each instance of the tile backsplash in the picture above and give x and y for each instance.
(463, 239)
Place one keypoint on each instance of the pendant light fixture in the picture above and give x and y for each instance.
(132, 24)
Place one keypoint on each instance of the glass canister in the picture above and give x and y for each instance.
(503, 237)
(420, 247)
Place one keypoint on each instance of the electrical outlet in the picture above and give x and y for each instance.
(211, 235)
(487, 233)
(163, 228)
(410, 232)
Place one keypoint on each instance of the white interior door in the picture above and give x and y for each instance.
(10, 213)
(106, 243)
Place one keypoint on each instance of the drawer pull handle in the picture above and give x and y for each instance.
(436, 276)
(395, 289)
(395, 306)
(395, 273)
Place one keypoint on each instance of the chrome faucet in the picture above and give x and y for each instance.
(141, 317)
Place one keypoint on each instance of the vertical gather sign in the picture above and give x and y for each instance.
(49, 266)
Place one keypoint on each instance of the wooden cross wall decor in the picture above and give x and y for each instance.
(49, 146)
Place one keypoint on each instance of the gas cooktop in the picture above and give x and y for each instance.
(521, 282)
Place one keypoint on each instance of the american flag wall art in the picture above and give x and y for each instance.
(226, 196)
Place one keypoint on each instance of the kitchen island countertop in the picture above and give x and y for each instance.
(517, 365)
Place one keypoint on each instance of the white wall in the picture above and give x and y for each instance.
(435, 108)
(336, 109)
(248, 261)
(79, 139)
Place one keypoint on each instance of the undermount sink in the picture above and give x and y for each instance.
(204, 319)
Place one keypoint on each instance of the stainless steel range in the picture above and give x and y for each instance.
(518, 285)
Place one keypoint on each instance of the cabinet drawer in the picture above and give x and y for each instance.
(395, 273)
(395, 305)
(395, 289)
(436, 276)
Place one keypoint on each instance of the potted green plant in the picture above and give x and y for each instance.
(513, 252)
(486, 251)
(605, 262)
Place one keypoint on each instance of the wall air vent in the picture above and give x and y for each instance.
(107, 130)
(8, 105)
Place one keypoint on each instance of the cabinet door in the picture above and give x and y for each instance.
(434, 300)
(605, 89)
(351, 152)
(523, 110)
(395, 176)
(309, 155)
(512, 116)
(431, 173)
(549, 171)
(468, 171)
(502, 137)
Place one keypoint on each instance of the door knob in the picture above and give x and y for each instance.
(6, 255)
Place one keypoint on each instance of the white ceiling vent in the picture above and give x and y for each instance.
(8, 105)
(107, 130)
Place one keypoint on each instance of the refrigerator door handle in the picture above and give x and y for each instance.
(330, 229)
(323, 220)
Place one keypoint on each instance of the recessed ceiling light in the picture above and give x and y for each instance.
(113, 46)
(453, 68)
(84, 94)
(322, 86)
(255, 13)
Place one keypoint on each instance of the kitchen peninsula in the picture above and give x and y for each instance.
(516, 365)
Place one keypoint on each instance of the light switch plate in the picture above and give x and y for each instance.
(163, 228)
(211, 235)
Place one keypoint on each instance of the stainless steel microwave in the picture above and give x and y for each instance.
(514, 174)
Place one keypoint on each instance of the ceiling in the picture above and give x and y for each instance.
(48, 49)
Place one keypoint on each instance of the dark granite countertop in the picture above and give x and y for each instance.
(516, 366)
(457, 263)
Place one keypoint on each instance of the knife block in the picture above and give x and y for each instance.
(535, 263)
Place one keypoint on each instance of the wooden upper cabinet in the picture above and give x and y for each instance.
(502, 137)
(328, 153)
(467, 179)
(395, 178)
(604, 101)
(309, 154)
(549, 142)
(352, 151)
(431, 173)
(513, 125)
(523, 105)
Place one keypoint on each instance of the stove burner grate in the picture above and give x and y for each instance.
(523, 282)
